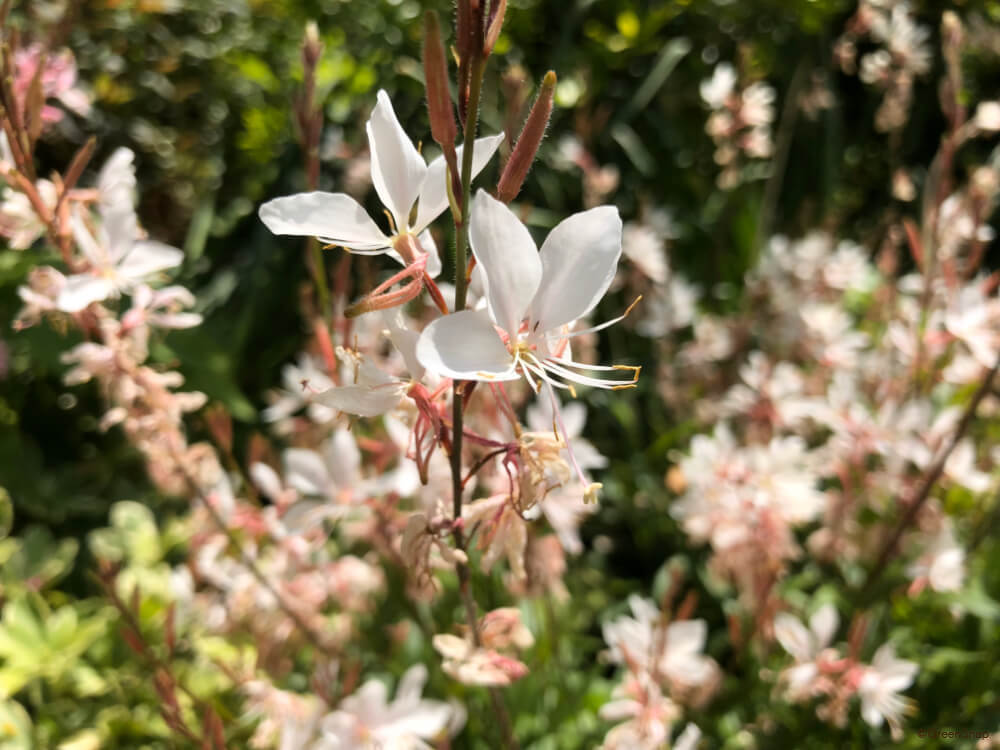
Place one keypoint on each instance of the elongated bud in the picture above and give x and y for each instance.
(493, 25)
(442, 116)
(312, 47)
(528, 142)
(469, 35)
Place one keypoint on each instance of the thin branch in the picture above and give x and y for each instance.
(310, 634)
(924, 490)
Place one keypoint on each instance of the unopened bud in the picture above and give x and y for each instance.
(527, 145)
(493, 25)
(952, 32)
(469, 29)
(312, 47)
(442, 116)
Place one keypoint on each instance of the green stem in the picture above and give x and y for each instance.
(461, 286)
(457, 405)
(468, 138)
(319, 275)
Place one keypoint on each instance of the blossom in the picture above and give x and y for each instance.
(367, 719)
(118, 260)
(57, 79)
(671, 651)
(19, 222)
(880, 687)
(805, 645)
(715, 91)
(301, 381)
(942, 565)
(401, 178)
(648, 712)
(472, 665)
(533, 298)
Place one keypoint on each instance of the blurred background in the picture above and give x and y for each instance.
(203, 92)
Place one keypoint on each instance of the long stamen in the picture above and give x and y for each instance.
(593, 329)
(557, 416)
(524, 370)
(576, 377)
(538, 369)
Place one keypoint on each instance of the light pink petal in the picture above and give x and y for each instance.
(465, 346)
(148, 257)
(95, 254)
(433, 193)
(579, 258)
(794, 637)
(333, 217)
(83, 289)
(823, 624)
(398, 169)
(511, 268)
(361, 400)
(306, 472)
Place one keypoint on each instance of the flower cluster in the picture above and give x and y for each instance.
(740, 123)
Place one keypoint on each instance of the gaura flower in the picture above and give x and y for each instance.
(119, 261)
(402, 180)
(533, 299)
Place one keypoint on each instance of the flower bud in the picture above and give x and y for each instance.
(493, 25)
(312, 47)
(530, 139)
(439, 108)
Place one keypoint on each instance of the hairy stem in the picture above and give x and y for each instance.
(457, 404)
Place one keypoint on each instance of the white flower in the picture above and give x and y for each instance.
(804, 644)
(880, 687)
(373, 391)
(401, 178)
(470, 665)
(988, 116)
(119, 261)
(717, 89)
(942, 565)
(644, 247)
(673, 652)
(18, 220)
(368, 720)
(301, 381)
(532, 298)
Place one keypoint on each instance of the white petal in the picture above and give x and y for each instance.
(119, 229)
(95, 254)
(147, 257)
(465, 346)
(306, 471)
(433, 256)
(343, 458)
(686, 636)
(81, 290)
(579, 258)
(824, 624)
(265, 479)
(362, 400)
(398, 169)
(505, 250)
(116, 181)
(433, 193)
(334, 217)
(405, 340)
(794, 637)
